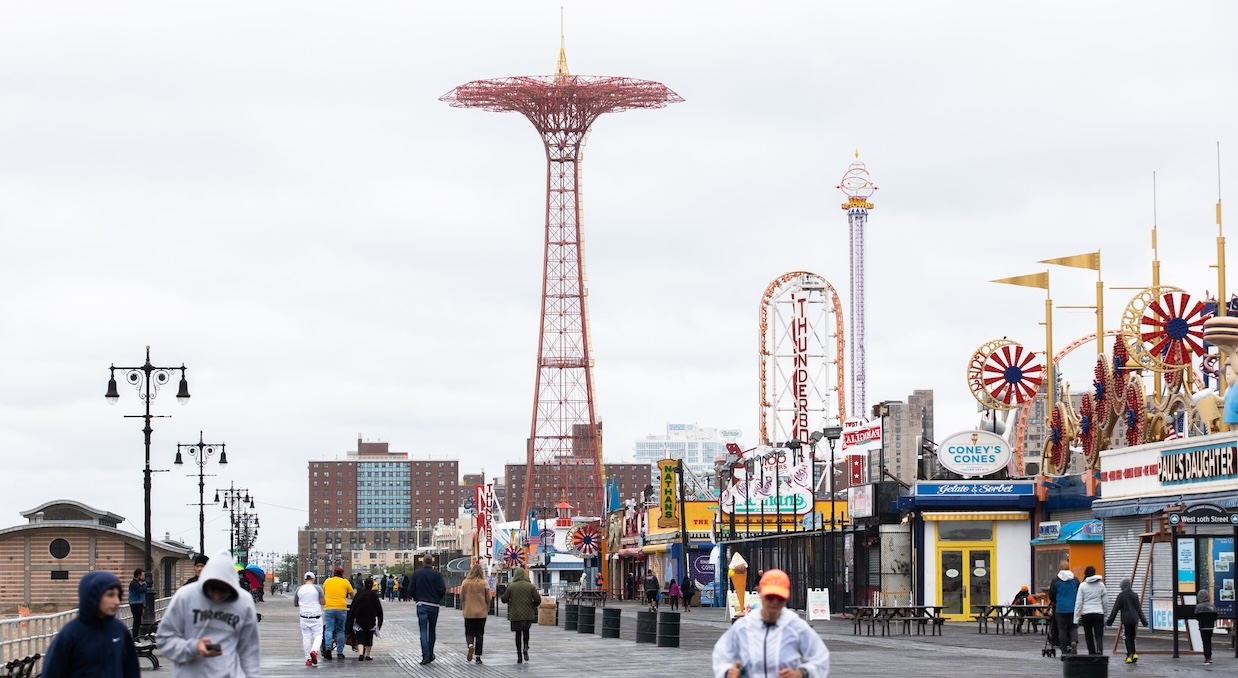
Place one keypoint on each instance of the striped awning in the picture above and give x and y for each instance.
(974, 515)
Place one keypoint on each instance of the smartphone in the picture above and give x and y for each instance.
(212, 647)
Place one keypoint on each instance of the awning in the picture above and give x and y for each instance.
(1146, 506)
(974, 515)
(1076, 532)
(656, 548)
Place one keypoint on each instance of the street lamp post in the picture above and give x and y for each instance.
(201, 452)
(832, 434)
(233, 498)
(147, 379)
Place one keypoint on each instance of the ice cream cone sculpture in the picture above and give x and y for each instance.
(738, 572)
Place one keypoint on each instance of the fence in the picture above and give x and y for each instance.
(24, 636)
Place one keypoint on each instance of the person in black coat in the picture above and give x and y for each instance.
(365, 619)
(1128, 604)
(95, 643)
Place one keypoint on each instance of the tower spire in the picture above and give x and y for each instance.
(561, 69)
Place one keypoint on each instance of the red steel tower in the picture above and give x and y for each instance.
(564, 447)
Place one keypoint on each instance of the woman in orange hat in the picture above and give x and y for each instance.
(776, 643)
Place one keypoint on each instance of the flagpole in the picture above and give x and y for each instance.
(1222, 301)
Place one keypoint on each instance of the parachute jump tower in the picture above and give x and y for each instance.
(858, 187)
(564, 450)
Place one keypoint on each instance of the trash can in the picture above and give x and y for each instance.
(668, 629)
(586, 619)
(646, 627)
(611, 618)
(548, 612)
(571, 617)
(1085, 666)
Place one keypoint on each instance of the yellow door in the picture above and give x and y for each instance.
(964, 579)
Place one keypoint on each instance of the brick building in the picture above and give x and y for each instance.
(631, 478)
(376, 489)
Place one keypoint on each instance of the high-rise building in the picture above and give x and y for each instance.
(905, 426)
(376, 489)
(696, 445)
(632, 480)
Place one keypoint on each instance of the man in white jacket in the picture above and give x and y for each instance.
(773, 644)
(1091, 606)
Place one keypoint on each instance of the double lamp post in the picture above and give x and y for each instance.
(147, 379)
(201, 452)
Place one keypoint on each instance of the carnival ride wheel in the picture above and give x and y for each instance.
(513, 555)
(1164, 328)
(1002, 374)
(1056, 457)
(1136, 411)
(586, 540)
(1088, 426)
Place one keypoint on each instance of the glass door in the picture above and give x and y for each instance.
(965, 579)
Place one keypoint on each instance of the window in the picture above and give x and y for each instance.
(964, 530)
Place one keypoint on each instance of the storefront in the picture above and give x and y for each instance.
(1079, 542)
(1138, 485)
(972, 542)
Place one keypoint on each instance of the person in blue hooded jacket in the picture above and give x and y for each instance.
(95, 643)
(1063, 593)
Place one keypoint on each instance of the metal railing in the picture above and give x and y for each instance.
(25, 636)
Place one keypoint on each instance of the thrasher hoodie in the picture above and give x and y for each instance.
(231, 622)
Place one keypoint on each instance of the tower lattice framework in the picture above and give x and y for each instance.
(564, 446)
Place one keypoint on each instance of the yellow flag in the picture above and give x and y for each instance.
(1091, 260)
(1040, 280)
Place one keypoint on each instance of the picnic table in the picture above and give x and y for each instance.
(1017, 614)
(884, 615)
(590, 596)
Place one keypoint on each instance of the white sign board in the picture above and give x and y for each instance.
(860, 501)
(818, 604)
(751, 600)
(974, 453)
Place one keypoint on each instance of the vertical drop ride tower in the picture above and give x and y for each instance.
(564, 451)
(858, 187)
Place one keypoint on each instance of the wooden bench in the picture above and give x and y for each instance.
(21, 668)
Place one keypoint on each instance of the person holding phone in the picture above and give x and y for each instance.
(210, 628)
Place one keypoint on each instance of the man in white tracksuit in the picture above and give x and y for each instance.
(773, 644)
(309, 600)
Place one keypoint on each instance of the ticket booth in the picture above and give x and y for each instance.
(1079, 542)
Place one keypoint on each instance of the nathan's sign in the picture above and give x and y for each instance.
(1190, 466)
(668, 511)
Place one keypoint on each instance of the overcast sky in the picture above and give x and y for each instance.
(272, 194)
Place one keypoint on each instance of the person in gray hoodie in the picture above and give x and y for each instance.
(210, 628)
(1127, 603)
(1206, 617)
(1091, 606)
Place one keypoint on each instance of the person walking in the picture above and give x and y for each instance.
(689, 592)
(428, 589)
(95, 643)
(673, 592)
(475, 605)
(337, 590)
(365, 620)
(137, 599)
(199, 562)
(1127, 604)
(1206, 616)
(1091, 606)
(1062, 594)
(522, 600)
(776, 643)
(210, 629)
(651, 587)
(309, 600)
